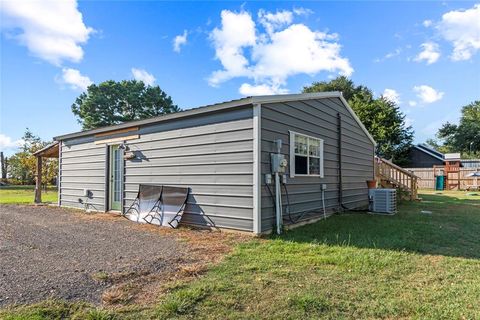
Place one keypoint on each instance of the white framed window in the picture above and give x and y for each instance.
(306, 155)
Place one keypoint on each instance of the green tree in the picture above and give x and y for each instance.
(112, 102)
(343, 84)
(435, 144)
(22, 165)
(381, 117)
(464, 137)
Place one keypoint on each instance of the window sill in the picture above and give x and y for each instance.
(307, 175)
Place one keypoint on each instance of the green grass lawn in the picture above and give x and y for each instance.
(25, 194)
(412, 265)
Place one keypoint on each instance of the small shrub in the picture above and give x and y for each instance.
(99, 315)
(182, 302)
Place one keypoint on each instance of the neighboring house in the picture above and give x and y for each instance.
(424, 156)
(222, 153)
(471, 163)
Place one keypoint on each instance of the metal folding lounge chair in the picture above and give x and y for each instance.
(146, 207)
(174, 200)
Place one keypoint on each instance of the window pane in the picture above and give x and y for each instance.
(117, 175)
(301, 165)
(301, 145)
(314, 147)
(314, 166)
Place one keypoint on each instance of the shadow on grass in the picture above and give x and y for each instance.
(450, 227)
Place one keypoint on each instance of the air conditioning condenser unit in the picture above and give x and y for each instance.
(383, 200)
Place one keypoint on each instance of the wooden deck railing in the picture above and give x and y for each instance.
(401, 178)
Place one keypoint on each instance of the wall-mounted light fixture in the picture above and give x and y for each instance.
(123, 146)
(127, 153)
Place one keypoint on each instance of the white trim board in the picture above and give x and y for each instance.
(257, 175)
(292, 154)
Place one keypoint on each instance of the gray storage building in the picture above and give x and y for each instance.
(222, 152)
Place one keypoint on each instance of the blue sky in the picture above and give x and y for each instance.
(424, 55)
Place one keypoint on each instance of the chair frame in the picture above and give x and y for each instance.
(136, 205)
(158, 208)
(182, 208)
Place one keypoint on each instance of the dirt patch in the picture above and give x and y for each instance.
(203, 249)
(49, 252)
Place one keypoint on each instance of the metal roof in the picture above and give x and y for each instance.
(49, 151)
(430, 148)
(432, 152)
(219, 107)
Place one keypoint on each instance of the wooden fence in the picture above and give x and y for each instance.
(427, 177)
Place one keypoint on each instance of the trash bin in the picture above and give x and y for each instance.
(439, 182)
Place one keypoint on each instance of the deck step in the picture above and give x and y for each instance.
(390, 175)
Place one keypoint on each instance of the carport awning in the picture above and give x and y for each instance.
(50, 151)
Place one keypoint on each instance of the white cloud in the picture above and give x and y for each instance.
(409, 122)
(179, 41)
(392, 95)
(51, 30)
(284, 50)
(427, 23)
(7, 143)
(389, 55)
(428, 94)
(297, 49)
(302, 11)
(274, 21)
(430, 53)
(75, 79)
(247, 89)
(393, 54)
(236, 33)
(143, 75)
(462, 29)
(412, 103)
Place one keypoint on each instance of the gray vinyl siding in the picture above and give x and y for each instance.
(212, 154)
(82, 166)
(214, 160)
(317, 118)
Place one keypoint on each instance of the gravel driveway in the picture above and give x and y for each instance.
(52, 252)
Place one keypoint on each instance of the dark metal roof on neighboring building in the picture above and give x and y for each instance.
(429, 150)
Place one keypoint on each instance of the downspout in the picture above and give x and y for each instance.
(340, 174)
(257, 169)
(59, 177)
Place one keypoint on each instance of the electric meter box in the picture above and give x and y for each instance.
(279, 163)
